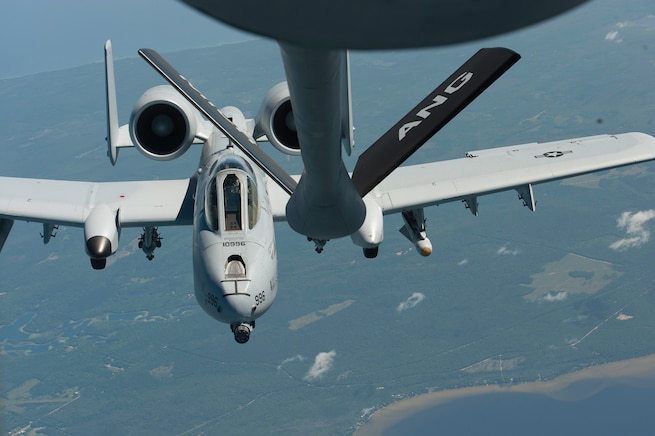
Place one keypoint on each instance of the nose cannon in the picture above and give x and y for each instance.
(242, 331)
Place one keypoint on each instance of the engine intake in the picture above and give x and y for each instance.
(275, 120)
(163, 124)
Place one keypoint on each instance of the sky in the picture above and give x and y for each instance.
(47, 35)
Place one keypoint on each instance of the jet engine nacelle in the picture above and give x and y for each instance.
(275, 120)
(101, 233)
(163, 124)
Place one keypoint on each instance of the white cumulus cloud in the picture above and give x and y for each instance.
(412, 301)
(612, 36)
(322, 363)
(505, 251)
(555, 296)
(634, 225)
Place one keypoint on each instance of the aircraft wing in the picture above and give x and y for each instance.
(142, 203)
(278, 199)
(515, 167)
(499, 169)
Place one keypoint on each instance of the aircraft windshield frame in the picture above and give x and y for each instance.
(233, 162)
(225, 207)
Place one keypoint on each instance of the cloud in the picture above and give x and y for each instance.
(51, 257)
(504, 251)
(296, 358)
(555, 296)
(412, 301)
(636, 232)
(322, 363)
(462, 262)
(612, 36)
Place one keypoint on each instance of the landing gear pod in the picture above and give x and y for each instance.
(101, 233)
(371, 234)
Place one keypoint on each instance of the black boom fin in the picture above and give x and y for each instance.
(430, 115)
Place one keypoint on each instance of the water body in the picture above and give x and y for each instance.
(614, 411)
(606, 400)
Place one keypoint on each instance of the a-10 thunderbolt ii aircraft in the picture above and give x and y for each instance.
(237, 191)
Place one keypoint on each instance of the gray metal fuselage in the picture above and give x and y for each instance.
(234, 254)
(380, 25)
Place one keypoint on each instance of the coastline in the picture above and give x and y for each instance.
(632, 372)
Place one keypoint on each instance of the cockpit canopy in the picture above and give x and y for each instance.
(231, 203)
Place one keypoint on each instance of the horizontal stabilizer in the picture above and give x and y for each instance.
(240, 139)
(429, 116)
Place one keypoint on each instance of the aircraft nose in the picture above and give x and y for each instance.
(240, 304)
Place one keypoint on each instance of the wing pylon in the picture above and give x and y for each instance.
(5, 227)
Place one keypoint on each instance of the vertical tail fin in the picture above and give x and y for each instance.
(112, 108)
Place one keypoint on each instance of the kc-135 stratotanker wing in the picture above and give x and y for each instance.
(237, 191)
